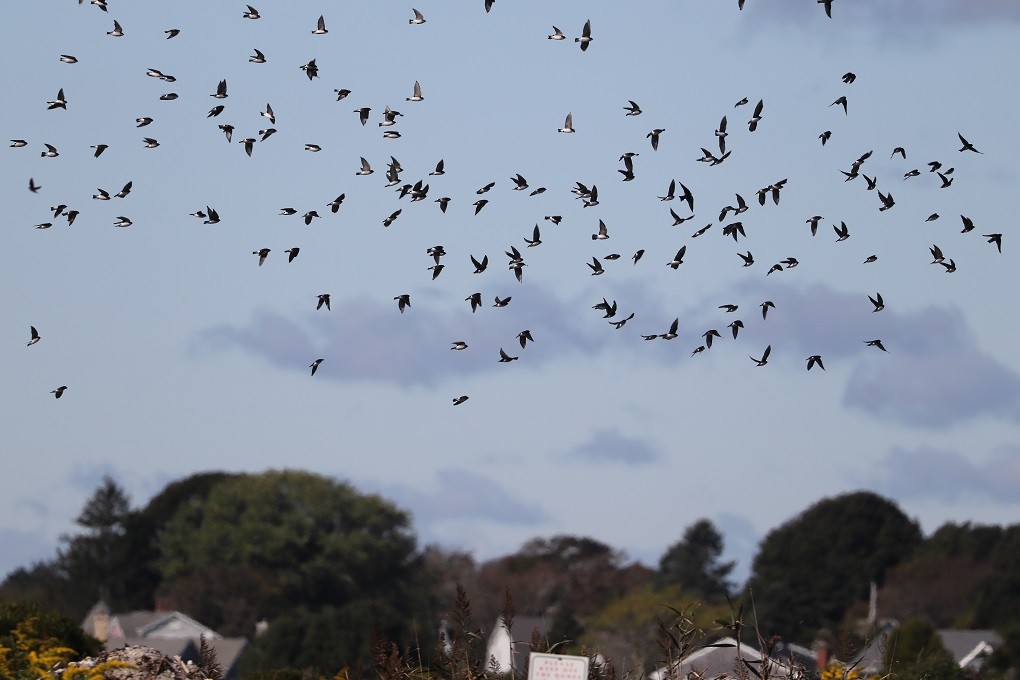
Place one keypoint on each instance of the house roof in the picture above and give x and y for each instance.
(969, 647)
(147, 625)
(501, 642)
(171, 633)
(721, 660)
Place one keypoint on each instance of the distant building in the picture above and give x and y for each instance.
(723, 659)
(970, 648)
(170, 632)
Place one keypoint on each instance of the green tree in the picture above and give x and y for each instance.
(114, 556)
(627, 628)
(341, 562)
(576, 572)
(996, 599)
(140, 574)
(693, 563)
(89, 559)
(809, 570)
(915, 652)
(973, 542)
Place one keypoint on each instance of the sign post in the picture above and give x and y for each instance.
(557, 667)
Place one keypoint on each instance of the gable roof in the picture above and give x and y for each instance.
(513, 648)
(721, 660)
(969, 647)
(171, 633)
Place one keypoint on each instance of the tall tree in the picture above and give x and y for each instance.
(333, 554)
(578, 573)
(693, 565)
(89, 559)
(996, 599)
(809, 570)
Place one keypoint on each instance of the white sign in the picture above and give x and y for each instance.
(557, 667)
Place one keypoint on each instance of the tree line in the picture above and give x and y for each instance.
(332, 569)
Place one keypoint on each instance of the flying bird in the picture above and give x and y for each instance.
(813, 360)
(654, 136)
(568, 124)
(878, 302)
(60, 102)
(263, 253)
(418, 19)
(967, 146)
(35, 336)
(403, 301)
(678, 259)
(320, 27)
(557, 34)
(585, 38)
(315, 365)
(633, 109)
(323, 301)
(252, 13)
(59, 392)
(876, 343)
(311, 69)
(457, 401)
(756, 117)
(995, 239)
(764, 357)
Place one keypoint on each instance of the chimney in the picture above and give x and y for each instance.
(164, 603)
(822, 652)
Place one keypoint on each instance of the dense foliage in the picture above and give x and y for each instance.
(306, 552)
(33, 641)
(693, 563)
(332, 569)
(915, 652)
(809, 570)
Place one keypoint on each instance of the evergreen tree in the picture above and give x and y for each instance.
(693, 563)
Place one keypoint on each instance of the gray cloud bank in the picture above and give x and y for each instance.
(947, 476)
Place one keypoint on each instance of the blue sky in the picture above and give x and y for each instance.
(181, 354)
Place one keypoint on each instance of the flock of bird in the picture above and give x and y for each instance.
(730, 220)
